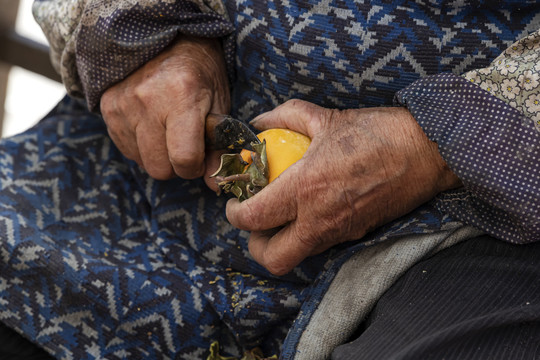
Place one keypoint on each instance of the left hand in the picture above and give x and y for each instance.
(156, 116)
(364, 168)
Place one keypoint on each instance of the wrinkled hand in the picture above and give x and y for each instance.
(156, 115)
(364, 168)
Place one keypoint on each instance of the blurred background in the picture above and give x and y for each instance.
(27, 96)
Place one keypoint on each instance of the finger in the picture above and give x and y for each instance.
(221, 99)
(153, 150)
(273, 206)
(118, 129)
(298, 115)
(281, 252)
(126, 142)
(185, 142)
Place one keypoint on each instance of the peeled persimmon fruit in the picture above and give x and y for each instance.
(247, 173)
(283, 148)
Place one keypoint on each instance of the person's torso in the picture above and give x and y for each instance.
(350, 54)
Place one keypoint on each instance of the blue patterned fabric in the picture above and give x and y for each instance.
(97, 260)
(101, 261)
(350, 54)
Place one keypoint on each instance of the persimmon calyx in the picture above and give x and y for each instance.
(240, 178)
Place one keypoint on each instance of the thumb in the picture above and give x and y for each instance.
(297, 115)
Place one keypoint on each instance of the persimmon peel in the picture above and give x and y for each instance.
(247, 173)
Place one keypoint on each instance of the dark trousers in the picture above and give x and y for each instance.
(14, 347)
(479, 299)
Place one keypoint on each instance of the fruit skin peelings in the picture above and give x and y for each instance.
(240, 178)
(248, 173)
(255, 354)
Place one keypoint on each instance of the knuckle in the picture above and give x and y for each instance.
(142, 93)
(106, 105)
(315, 116)
(295, 106)
(330, 115)
(120, 135)
(308, 236)
(190, 79)
(188, 165)
(185, 158)
(114, 126)
(275, 266)
(249, 217)
(109, 107)
(322, 118)
(298, 103)
(127, 151)
(188, 83)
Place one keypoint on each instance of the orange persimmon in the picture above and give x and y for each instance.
(283, 148)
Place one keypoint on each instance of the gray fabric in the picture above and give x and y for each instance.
(476, 300)
(360, 283)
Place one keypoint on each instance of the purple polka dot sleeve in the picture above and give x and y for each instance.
(492, 147)
(112, 46)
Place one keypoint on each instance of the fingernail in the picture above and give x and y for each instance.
(257, 118)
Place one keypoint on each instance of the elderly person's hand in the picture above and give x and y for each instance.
(363, 168)
(156, 116)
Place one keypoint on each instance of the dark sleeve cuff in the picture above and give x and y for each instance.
(492, 147)
(113, 46)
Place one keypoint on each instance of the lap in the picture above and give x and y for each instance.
(476, 300)
(94, 252)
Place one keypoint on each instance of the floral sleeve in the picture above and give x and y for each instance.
(59, 21)
(96, 43)
(486, 124)
(514, 77)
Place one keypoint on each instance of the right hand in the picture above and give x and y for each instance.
(364, 168)
(156, 116)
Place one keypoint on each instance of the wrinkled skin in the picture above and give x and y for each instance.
(156, 115)
(364, 168)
